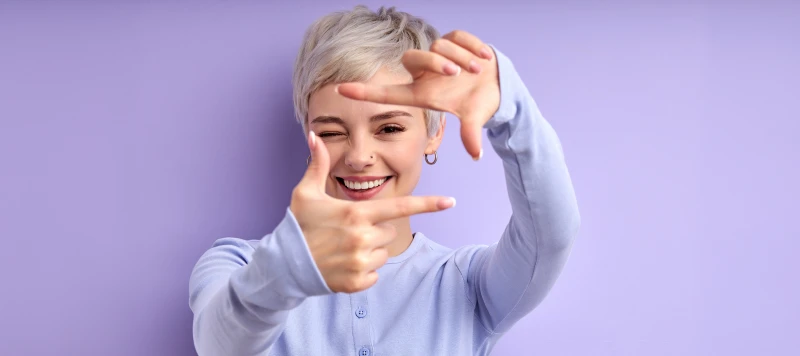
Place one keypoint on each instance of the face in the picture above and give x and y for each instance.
(376, 150)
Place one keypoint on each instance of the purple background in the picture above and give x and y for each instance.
(134, 135)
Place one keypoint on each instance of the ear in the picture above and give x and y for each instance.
(436, 140)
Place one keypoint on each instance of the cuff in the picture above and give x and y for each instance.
(510, 95)
(297, 255)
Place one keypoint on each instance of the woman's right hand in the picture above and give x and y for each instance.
(348, 239)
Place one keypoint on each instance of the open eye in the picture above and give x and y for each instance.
(392, 129)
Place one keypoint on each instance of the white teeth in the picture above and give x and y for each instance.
(364, 185)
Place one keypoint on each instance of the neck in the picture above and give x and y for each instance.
(403, 239)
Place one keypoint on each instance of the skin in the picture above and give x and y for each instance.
(371, 139)
(350, 240)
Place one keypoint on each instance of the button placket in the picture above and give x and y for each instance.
(362, 330)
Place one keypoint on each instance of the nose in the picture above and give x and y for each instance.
(359, 155)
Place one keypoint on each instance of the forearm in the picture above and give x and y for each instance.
(241, 297)
(230, 325)
(513, 276)
(544, 207)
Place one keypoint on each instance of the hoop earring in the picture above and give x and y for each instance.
(308, 160)
(435, 158)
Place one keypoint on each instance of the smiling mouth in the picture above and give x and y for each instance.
(362, 186)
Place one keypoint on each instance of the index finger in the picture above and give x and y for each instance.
(395, 208)
(470, 42)
(401, 94)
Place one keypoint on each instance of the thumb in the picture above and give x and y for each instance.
(319, 167)
(471, 132)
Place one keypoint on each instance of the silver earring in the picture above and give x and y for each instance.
(308, 160)
(435, 158)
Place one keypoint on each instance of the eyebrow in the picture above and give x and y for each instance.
(326, 119)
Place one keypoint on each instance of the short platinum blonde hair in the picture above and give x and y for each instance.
(352, 46)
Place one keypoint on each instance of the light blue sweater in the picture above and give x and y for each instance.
(267, 297)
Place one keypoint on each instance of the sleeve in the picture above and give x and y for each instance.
(241, 294)
(510, 278)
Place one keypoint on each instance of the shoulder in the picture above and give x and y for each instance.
(215, 265)
(226, 251)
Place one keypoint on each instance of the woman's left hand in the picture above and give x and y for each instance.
(458, 75)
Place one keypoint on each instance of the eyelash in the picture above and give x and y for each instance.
(397, 129)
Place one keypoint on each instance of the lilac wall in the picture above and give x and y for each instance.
(132, 136)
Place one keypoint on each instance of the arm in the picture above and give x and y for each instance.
(241, 296)
(511, 277)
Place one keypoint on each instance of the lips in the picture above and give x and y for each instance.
(363, 185)
(362, 188)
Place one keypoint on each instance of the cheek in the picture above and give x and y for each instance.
(336, 151)
(407, 165)
(335, 154)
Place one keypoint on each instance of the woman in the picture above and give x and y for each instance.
(370, 92)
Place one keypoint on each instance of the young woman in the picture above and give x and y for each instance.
(370, 92)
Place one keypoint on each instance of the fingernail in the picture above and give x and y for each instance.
(479, 155)
(447, 203)
(486, 52)
(452, 69)
(474, 67)
(336, 89)
(312, 138)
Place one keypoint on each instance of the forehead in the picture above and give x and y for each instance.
(326, 101)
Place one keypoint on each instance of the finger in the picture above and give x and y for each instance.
(377, 258)
(317, 172)
(395, 208)
(471, 137)
(384, 235)
(383, 94)
(369, 280)
(355, 282)
(471, 43)
(460, 55)
(418, 62)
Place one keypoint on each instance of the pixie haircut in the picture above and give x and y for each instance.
(352, 46)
